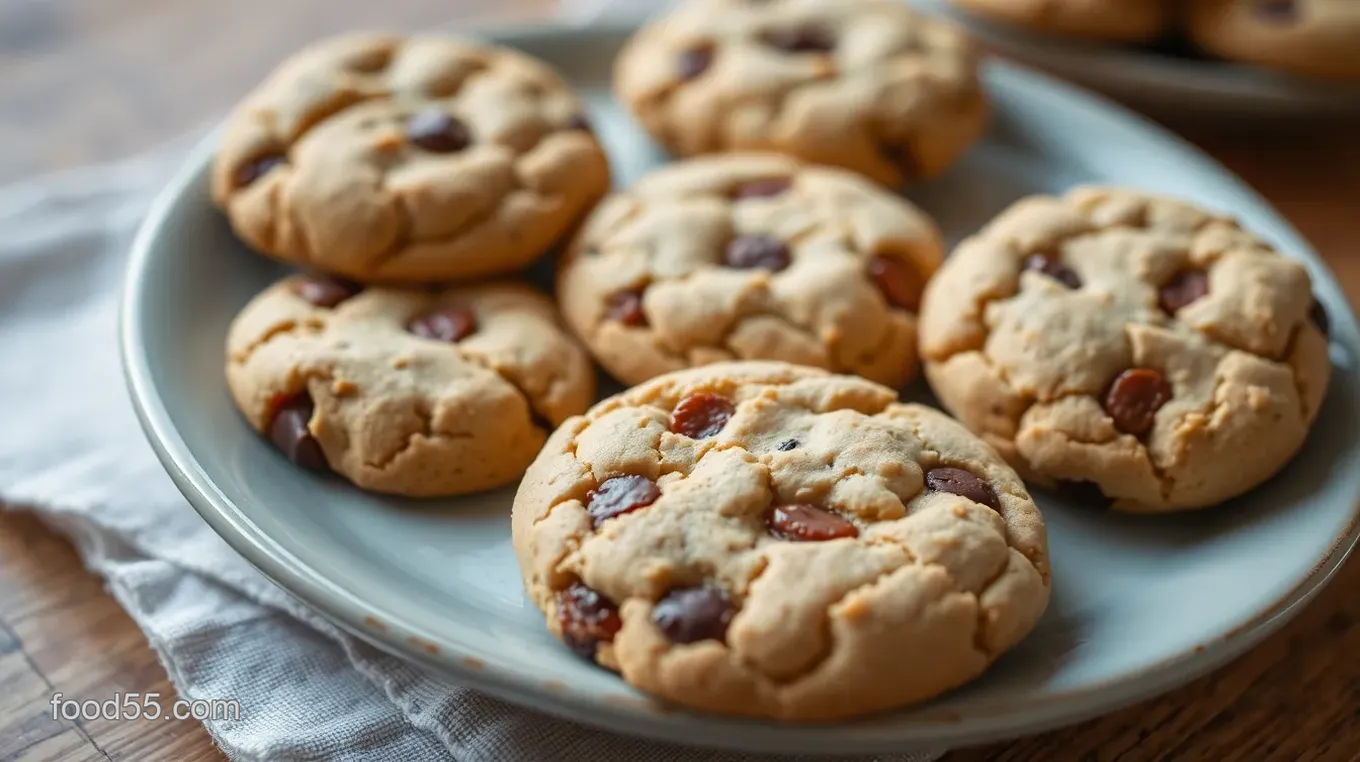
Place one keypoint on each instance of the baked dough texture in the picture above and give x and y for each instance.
(1120, 20)
(407, 160)
(405, 414)
(868, 85)
(750, 256)
(1319, 38)
(790, 546)
(1030, 325)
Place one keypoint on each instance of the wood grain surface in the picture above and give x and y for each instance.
(90, 80)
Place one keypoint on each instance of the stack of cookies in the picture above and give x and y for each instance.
(757, 526)
(404, 175)
(1313, 38)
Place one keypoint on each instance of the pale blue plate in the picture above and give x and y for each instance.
(1140, 605)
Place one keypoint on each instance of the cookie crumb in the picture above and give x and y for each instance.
(343, 387)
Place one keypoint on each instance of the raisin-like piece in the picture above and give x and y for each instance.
(619, 495)
(587, 619)
(692, 614)
(1134, 399)
(449, 324)
(957, 481)
(701, 415)
(897, 280)
(801, 522)
(1188, 286)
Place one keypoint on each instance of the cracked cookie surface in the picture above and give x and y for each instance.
(1319, 38)
(868, 85)
(411, 392)
(750, 256)
(1135, 342)
(1123, 20)
(764, 539)
(403, 160)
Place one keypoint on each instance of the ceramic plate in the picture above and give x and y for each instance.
(1161, 83)
(1139, 604)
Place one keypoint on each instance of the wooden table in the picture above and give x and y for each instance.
(88, 80)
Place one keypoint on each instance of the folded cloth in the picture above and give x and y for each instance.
(73, 452)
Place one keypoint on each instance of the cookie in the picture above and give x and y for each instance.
(1122, 20)
(1318, 38)
(405, 160)
(750, 256)
(868, 85)
(1141, 344)
(770, 540)
(420, 393)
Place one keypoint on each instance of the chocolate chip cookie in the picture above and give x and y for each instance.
(419, 393)
(868, 85)
(1123, 20)
(1312, 37)
(1148, 347)
(388, 159)
(750, 256)
(770, 540)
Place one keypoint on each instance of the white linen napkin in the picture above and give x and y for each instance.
(72, 451)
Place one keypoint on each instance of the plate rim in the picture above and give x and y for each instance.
(635, 716)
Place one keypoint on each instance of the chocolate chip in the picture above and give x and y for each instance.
(289, 432)
(454, 322)
(620, 495)
(626, 307)
(437, 132)
(692, 614)
(1053, 269)
(701, 415)
(764, 188)
(694, 62)
(957, 481)
(580, 122)
(1281, 11)
(898, 280)
(788, 444)
(1134, 399)
(801, 522)
(803, 39)
(256, 168)
(750, 252)
(325, 290)
(1318, 314)
(1186, 287)
(586, 618)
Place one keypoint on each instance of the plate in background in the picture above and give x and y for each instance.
(1161, 84)
(1140, 605)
